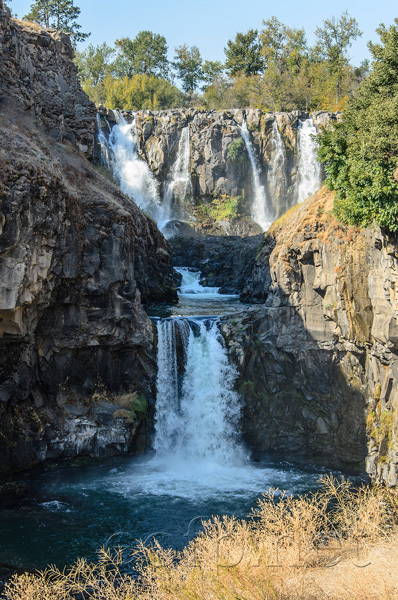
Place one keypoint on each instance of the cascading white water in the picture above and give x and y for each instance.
(190, 283)
(259, 209)
(178, 190)
(167, 405)
(308, 167)
(133, 174)
(277, 185)
(105, 151)
(196, 419)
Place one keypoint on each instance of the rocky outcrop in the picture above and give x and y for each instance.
(318, 360)
(77, 260)
(225, 262)
(220, 169)
(36, 70)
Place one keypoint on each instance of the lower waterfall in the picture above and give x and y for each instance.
(198, 411)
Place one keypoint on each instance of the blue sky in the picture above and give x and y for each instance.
(209, 24)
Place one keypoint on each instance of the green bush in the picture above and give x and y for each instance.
(361, 153)
(235, 149)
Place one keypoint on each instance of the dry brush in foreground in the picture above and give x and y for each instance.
(337, 543)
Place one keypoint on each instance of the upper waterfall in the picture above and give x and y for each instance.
(186, 170)
(133, 174)
(276, 176)
(308, 167)
(178, 190)
(259, 208)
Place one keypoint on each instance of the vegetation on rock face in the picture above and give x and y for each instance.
(235, 148)
(222, 207)
(361, 153)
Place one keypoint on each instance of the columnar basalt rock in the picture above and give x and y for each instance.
(318, 359)
(77, 260)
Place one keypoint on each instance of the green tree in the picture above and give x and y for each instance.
(58, 14)
(211, 70)
(140, 92)
(243, 54)
(334, 39)
(94, 63)
(282, 47)
(188, 66)
(146, 54)
(361, 153)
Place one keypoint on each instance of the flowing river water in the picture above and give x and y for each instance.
(198, 467)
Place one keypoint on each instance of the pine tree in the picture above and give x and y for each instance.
(58, 14)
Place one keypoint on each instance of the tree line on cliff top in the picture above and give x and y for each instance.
(273, 68)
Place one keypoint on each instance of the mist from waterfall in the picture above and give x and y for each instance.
(259, 210)
(197, 409)
(308, 167)
(133, 174)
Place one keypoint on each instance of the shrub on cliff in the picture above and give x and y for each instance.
(361, 153)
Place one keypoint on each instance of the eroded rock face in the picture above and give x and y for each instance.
(318, 360)
(77, 260)
(225, 262)
(36, 70)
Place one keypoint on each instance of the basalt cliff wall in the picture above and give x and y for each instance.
(77, 259)
(318, 358)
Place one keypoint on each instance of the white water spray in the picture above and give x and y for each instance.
(197, 409)
(259, 209)
(190, 283)
(133, 174)
(308, 167)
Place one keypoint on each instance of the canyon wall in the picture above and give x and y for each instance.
(77, 259)
(318, 358)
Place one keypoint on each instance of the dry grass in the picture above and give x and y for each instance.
(339, 543)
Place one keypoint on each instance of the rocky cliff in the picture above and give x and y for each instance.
(318, 359)
(222, 190)
(77, 259)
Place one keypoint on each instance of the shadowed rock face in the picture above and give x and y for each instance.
(77, 259)
(318, 360)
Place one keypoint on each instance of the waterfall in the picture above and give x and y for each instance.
(190, 283)
(259, 209)
(105, 151)
(167, 405)
(308, 167)
(197, 409)
(179, 187)
(133, 174)
(277, 184)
